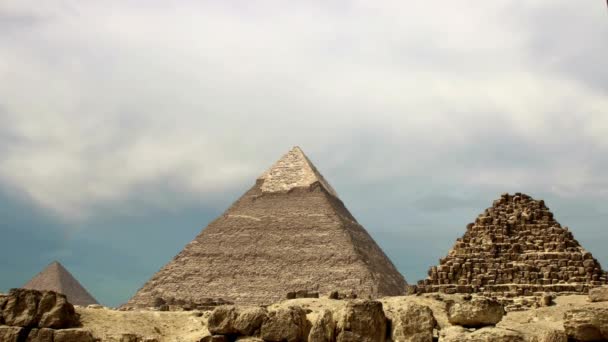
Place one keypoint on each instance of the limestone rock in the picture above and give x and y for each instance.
(130, 338)
(285, 324)
(21, 308)
(551, 336)
(487, 334)
(11, 334)
(231, 320)
(342, 295)
(323, 328)
(3, 300)
(363, 321)
(248, 339)
(547, 299)
(302, 294)
(249, 320)
(412, 323)
(475, 313)
(294, 224)
(41, 335)
(73, 335)
(222, 320)
(587, 324)
(31, 308)
(599, 294)
(55, 311)
(214, 338)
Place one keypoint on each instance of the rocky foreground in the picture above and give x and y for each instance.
(27, 315)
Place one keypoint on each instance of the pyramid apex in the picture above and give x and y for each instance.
(297, 149)
(54, 265)
(293, 170)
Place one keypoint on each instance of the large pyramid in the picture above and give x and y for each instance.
(516, 247)
(289, 232)
(56, 278)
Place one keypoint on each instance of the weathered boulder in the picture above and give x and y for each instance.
(362, 321)
(31, 308)
(599, 294)
(551, 336)
(222, 320)
(21, 308)
(11, 334)
(95, 306)
(302, 294)
(55, 311)
(3, 300)
(587, 324)
(249, 320)
(285, 324)
(342, 295)
(41, 335)
(411, 290)
(546, 299)
(487, 334)
(249, 339)
(232, 320)
(214, 338)
(412, 323)
(73, 335)
(158, 302)
(323, 328)
(478, 312)
(130, 338)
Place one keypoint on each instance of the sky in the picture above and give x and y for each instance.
(127, 126)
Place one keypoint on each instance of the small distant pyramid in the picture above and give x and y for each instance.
(56, 278)
(289, 232)
(515, 247)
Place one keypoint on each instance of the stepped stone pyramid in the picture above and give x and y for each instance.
(516, 247)
(56, 278)
(289, 232)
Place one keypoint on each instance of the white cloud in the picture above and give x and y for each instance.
(105, 97)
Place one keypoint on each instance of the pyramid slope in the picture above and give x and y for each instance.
(516, 246)
(293, 234)
(56, 278)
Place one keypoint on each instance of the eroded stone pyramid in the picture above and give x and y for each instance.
(516, 247)
(289, 232)
(56, 278)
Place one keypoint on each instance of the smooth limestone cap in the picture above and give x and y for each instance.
(293, 170)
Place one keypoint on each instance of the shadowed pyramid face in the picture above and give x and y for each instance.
(56, 278)
(516, 246)
(289, 232)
